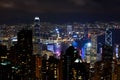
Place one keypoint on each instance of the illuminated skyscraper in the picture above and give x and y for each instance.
(93, 50)
(108, 37)
(36, 35)
(69, 29)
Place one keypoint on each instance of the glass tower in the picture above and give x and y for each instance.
(36, 31)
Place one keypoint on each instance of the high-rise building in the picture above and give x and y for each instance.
(93, 50)
(5, 64)
(69, 29)
(25, 59)
(38, 66)
(36, 34)
(107, 53)
(108, 37)
(49, 69)
(73, 67)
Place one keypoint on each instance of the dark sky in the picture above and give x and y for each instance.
(23, 11)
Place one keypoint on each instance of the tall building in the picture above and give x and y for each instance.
(25, 59)
(69, 29)
(107, 53)
(4, 35)
(38, 65)
(5, 64)
(108, 37)
(93, 50)
(25, 40)
(67, 64)
(36, 34)
(49, 69)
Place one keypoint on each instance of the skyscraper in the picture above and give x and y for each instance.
(69, 29)
(21, 58)
(25, 59)
(36, 34)
(107, 53)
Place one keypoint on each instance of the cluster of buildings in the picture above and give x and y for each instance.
(44, 51)
(19, 62)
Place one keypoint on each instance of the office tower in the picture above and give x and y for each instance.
(93, 50)
(5, 66)
(25, 40)
(49, 69)
(68, 63)
(108, 37)
(69, 29)
(107, 53)
(4, 35)
(73, 67)
(87, 49)
(53, 68)
(38, 65)
(25, 59)
(36, 36)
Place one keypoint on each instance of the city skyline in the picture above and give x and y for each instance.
(43, 51)
(59, 11)
(59, 40)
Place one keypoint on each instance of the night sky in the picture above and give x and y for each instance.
(59, 11)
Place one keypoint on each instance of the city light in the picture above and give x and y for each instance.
(89, 44)
(78, 61)
(37, 18)
(4, 64)
(45, 53)
(14, 39)
(57, 30)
